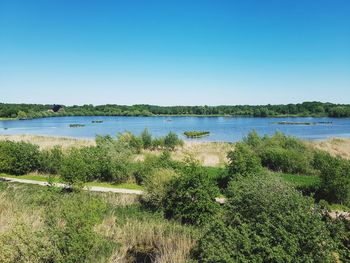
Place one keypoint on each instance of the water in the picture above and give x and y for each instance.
(220, 128)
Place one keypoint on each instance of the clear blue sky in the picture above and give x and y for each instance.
(174, 52)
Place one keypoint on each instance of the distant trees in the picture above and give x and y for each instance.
(300, 109)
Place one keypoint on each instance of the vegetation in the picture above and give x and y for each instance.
(266, 221)
(196, 134)
(76, 125)
(276, 196)
(301, 109)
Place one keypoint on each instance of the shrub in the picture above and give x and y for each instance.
(243, 161)
(335, 177)
(79, 166)
(156, 186)
(267, 221)
(151, 163)
(286, 160)
(146, 138)
(18, 157)
(71, 220)
(50, 160)
(22, 244)
(190, 198)
(134, 142)
(171, 140)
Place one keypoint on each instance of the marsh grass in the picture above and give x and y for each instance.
(48, 142)
(334, 146)
(149, 241)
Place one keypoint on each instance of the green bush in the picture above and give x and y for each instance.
(23, 244)
(287, 160)
(146, 138)
(267, 221)
(50, 160)
(171, 140)
(335, 177)
(190, 198)
(18, 157)
(151, 163)
(79, 165)
(156, 187)
(243, 161)
(71, 220)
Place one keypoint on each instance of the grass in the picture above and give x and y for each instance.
(29, 212)
(48, 142)
(300, 180)
(7, 119)
(56, 179)
(339, 207)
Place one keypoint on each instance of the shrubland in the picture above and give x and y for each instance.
(277, 192)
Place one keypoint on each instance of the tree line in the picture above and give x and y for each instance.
(24, 111)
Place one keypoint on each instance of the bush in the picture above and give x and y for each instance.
(151, 163)
(267, 221)
(23, 244)
(190, 198)
(18, 157)
(243, 161)
(50, 160)
(71, 220)
(287, 160)
(335, 177)
(134, 142)
(171, 140)
(156, 186)
(282, 153)
(146, 138)
(80, 165)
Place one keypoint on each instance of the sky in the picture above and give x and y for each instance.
(183, 52)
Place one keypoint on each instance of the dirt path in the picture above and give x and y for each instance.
(90, 188)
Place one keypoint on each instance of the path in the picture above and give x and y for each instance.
(90, 188)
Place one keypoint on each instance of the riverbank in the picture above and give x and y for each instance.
(208, 153)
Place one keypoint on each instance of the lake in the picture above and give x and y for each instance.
(221, 128)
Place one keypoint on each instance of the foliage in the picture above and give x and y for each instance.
(190, 198)
(146, 138)
(171, 140)
(300, 109)
(22, 245)
(151, 163)
(196, 134)
(72, 229)
(156, 187)
(50, 160)
(335, 177)
(18, 157)
(266, 221)
(243, 161)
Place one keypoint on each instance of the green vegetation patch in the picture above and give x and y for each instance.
(196, 134)
(76, 125)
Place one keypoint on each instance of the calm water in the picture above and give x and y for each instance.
(221, 128)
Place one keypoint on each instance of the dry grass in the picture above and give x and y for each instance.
(160, 242)
(47, 142)
(334, 146)
(207, 153)
(13, 212)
